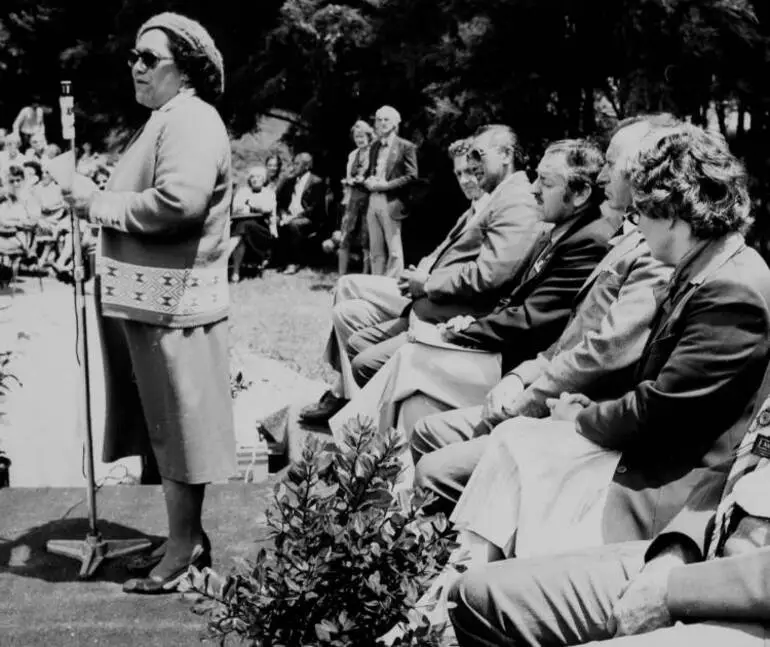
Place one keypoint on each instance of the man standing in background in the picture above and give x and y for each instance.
(392, 169)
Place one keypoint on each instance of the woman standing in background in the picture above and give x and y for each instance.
(355, 199)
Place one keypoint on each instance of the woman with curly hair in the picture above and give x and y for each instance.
(162, 287)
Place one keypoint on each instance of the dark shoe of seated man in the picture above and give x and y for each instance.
(320, 412)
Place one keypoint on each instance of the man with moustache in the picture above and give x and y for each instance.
(675, 433)
(526, 320)
(464, 274)
(594, 355)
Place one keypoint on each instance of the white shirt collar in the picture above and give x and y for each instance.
(388, 141)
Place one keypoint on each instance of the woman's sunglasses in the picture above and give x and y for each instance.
(148, 59)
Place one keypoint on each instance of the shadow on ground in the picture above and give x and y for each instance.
(26, 555)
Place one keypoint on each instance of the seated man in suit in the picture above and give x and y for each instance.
(697, 384)
(598, 349)
(465, 273)
(527, 320)
(392, 171)
(301, 211)
(706, 571)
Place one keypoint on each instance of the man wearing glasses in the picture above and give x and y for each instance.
(465, 274)
(594, 355)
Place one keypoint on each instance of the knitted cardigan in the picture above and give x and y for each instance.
(165, 220)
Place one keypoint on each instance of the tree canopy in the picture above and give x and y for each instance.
(549, 68)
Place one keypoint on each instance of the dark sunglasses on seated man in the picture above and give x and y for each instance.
(148, 59)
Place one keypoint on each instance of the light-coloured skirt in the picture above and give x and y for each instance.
(168, 390)
(540, 488)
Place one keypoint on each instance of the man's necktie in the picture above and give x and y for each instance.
(542, 258)
(752, 453)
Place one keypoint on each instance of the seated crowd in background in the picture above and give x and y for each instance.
(376, 189)
(35, 230)
(581, 369)
(278, 221)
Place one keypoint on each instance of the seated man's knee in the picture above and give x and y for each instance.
(468, 598)
(344, 311)
(363, 365)
(428, 473)
(421, 442)
(345, 288)
(357, 343)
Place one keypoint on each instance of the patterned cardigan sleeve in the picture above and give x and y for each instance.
(188, 158)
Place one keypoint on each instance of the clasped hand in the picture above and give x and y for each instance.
(567, 406)
(500, 398)
(78, 196)
(412, 281)
(450, 330)
(374, 184)
(642, 606)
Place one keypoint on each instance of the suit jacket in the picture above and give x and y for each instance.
(724, 588)
(597, 353)
(537, 309)
(696, 381)
(313, 198)
(400, 174)
(473, 264)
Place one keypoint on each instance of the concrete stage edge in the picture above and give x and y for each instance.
(42, 601)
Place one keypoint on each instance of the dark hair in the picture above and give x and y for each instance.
(584, 161)
(689, 173)
(35, 166)
(100, 169)
(277, 158)
(202, 75)
(15, 171)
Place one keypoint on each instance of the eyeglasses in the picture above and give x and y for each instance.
(476, 155)
(16, 180)
(148, 59)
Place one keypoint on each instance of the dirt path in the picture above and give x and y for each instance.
(42, 426)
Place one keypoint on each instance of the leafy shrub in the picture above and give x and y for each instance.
(350, 558)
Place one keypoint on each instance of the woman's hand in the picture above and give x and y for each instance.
(79, 196)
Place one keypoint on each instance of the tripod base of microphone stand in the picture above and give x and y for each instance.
(93, 550)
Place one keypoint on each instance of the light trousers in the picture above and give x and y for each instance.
(567, 599)
(386, 251)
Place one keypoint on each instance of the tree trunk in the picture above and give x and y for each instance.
(719, 106)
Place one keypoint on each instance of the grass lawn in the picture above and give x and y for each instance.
(287, 318)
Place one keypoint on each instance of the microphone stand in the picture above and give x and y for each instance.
(94, 549)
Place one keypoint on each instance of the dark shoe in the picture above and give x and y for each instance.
(152, 585)
(144, 563)
(327, 406)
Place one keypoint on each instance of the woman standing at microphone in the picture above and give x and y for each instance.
(162, 288)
